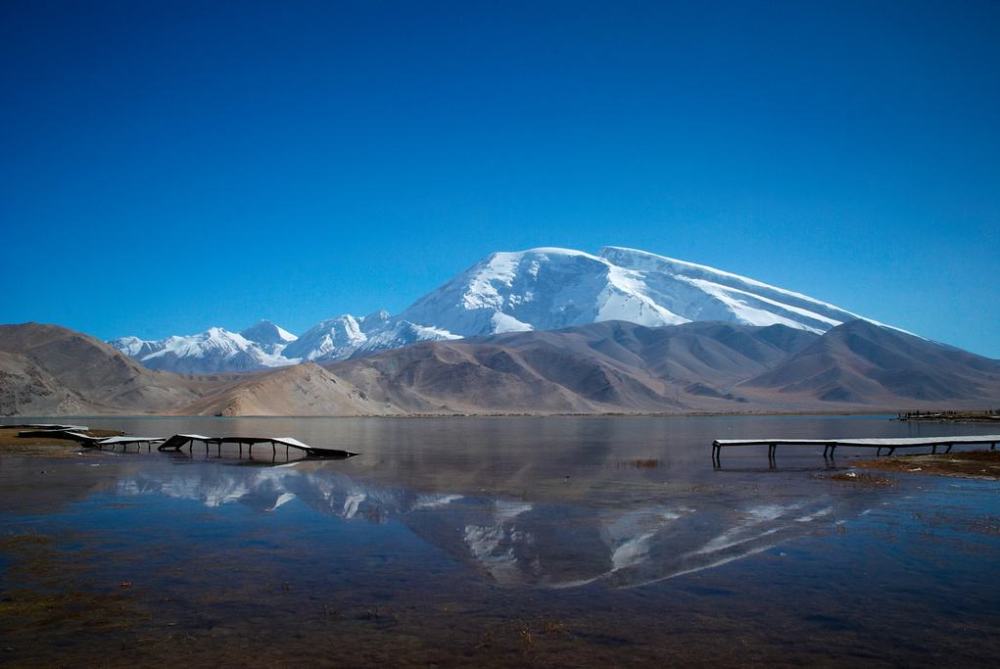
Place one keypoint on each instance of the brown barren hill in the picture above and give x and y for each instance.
(299, 390)
(866, 364)
(609, 367)
(50, 370)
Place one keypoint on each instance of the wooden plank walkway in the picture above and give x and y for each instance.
(178, 441)
(830, 445)
(129, 440)
(125, 442)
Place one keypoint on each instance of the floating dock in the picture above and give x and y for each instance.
(830, 445)
(178, 441)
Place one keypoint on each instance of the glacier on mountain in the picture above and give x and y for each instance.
(551, 288)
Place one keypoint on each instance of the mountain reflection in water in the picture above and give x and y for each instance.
(515, 542)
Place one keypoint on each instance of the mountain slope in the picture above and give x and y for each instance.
(300, 390)
(49, 370)
(551, 288)
(611, 366)
(860, 362)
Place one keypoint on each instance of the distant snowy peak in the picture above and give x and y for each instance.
(211, 351)
(331, 339)
(344, 336)
(267, 333)
(397, 334)
(550, 288)
(135, 347)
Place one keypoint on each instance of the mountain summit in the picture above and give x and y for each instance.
(550, 288)
(538, 289)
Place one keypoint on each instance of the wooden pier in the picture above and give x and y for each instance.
(178, 441)
(830, 445)
(125, 442)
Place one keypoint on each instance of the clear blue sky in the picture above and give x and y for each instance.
(167, 166)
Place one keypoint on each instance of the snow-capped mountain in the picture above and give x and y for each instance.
(551, 288)
(214, 350)
(269, 336)
(344, 336)
(538, 289)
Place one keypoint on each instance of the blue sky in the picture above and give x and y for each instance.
(167, 166)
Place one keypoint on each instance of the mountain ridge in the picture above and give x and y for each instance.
(544, 288)
(598, 368)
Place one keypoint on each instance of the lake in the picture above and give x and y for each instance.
(559, 541)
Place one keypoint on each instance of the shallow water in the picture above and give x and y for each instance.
(567, 541)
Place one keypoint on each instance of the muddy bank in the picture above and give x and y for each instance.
(978, 464)
(52, 446)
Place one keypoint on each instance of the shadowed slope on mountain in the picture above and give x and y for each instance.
(610, 366)
(862, 363)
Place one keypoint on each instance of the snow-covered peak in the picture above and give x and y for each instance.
(134, 347)
(331, 339)
(214, 350)
(344, 336)
(542, 288)
(548, 288)
(266, 333)
(401, 333)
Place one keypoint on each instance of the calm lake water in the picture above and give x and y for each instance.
(565, 541)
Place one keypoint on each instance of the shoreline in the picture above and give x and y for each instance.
(981, 465)
(503, 414)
